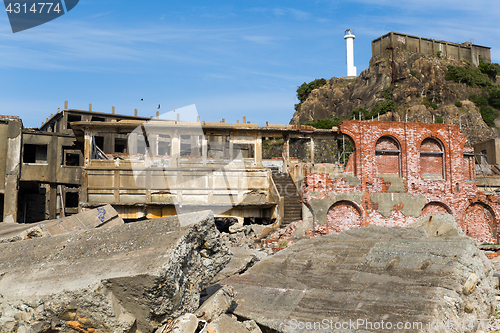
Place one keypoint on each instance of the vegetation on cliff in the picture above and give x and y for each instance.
(483, 76)
(408, 86)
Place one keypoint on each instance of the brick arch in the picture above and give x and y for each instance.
(388, 156)
(343, 215)
(481, 223)
(436, 207)
(432, 159)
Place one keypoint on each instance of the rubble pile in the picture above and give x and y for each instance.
(181, 275)
(124, 278)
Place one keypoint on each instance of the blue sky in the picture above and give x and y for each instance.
(230, 58)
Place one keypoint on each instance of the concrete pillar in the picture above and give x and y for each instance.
(312, 149)
(135, 112)
(52, 196)
(87, 147)
(286, 153)
(113, 110)
(258, 150)
(65, 105)
(204, 150)
(90, 107)
(176, 149)
(157, 114)
(231, 147)
(12, 171)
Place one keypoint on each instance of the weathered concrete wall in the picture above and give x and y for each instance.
(465, 51)
(12, 170)
(433, 179)
(492, 148)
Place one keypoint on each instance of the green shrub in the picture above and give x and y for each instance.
(481, 100)
(430, 103)
(324, 123)
(382, 107)
(468, 75)
(490, 69)
(387, 94)
(305, 89)
(414, 74)
(494, 96)
(458, 104)
(439, 120)
(488, 113)
(439, 54)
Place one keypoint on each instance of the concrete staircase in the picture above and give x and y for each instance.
(287, 189)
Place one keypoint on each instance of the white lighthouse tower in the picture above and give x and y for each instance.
(349, 43)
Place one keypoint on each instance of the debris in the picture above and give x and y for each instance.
(90, 219)
(124, 277)
(216, 305)
(345, 277)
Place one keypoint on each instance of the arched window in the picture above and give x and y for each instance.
(388, 156)
(432, 159)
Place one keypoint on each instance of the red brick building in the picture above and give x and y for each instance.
(398, 173)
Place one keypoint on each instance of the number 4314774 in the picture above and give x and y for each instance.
(36, 8)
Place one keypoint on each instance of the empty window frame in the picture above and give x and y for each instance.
(35, 154)
(120, 145)
(164, 145)
(190, 145)
(218, 147)
(71, 118)
(71, 157)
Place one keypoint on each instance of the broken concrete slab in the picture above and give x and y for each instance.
(368, 274)
(131, 275)
(241, 260)
(229, 324)
(216, 304)
(438, 225)
(95, 218)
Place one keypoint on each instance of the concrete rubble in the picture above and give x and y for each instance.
(125, 278)
(372, 274)
(90, 219)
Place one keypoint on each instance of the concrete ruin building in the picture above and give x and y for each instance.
(363, 172)
(465, 51)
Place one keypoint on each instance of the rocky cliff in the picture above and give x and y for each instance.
(420, 92)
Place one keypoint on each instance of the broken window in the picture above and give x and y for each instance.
(71, 200)
(71, 118)
(120, 146)
(243, 150)
(218, 147)
(71, 157)
(432, 159)
(95, 118)
(388, 156)
(190, 145)
(35, 153)
(164, 145)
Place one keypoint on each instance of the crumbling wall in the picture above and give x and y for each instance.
(403, 171)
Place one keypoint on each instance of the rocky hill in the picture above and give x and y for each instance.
(415, 82)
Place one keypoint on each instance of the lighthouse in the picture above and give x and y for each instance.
(349, 43)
